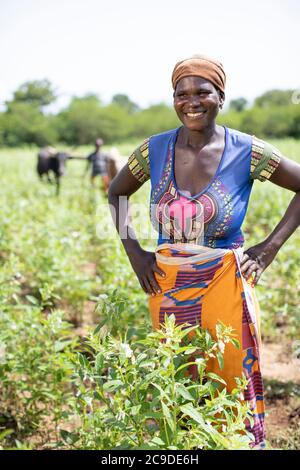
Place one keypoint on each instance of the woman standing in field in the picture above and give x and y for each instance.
(201, 179)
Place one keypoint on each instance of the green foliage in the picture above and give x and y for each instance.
(274, 98)
(79, 123)
(238, 104)
(137, 395)
(38, 93)
(34, 368)
(157, 118)
(24, 123)
(85, 118)
(125, 102)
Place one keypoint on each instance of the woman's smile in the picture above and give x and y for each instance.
(195, 115)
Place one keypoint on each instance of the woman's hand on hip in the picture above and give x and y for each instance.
(256, 259)
(144, 265)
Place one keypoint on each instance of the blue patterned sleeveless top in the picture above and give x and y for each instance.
(214, 216)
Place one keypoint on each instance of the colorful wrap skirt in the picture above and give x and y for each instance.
(202, 286)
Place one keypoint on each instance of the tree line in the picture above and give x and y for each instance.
(25, 119)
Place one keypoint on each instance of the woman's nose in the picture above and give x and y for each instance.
(195, 100)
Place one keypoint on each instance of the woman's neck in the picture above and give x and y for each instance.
(198, 139)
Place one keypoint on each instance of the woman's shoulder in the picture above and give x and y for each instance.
(238, 137)
(265, 158)
(165, 134)
(138, 162)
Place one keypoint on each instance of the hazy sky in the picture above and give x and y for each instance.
(131, 46)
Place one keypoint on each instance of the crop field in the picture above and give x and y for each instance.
(80, 367)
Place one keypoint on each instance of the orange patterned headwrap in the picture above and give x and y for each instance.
(200, 66)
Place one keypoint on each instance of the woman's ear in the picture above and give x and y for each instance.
(221, 99)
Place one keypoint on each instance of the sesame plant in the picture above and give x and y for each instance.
(139, 394)
(34, 371)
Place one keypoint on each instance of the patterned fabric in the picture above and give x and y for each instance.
(265, 164)
(202, 289)
(143, 166)
(213, 217)
(139, 162)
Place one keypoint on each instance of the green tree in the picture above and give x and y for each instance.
(238, 104)
(79, 123)
(116, 123)
(24, 120)
(231, 118)
(274, 98)
(38, 93)
(24, 123)
(125, 102)
(155, 119)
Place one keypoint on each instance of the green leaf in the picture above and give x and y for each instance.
(113, 385)
(220, 359)
(69, 437)
(148, 446)
(190, 411)
(158, 441)
(216, 377)
(236, 343)
(32, 299)
(184, 392)
(5, 433)
(207, 337)
(83, 361)
(97, 396)
(154, 414)
(168, 417)
(162, 392)
(185, 365)
(146, 364)
(99, 362)
(135, 410)
(61, 345)
(99, 326)
(186, 350)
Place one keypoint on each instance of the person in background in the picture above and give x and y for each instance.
(98, 161)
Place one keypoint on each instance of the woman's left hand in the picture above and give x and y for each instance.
(256, 259)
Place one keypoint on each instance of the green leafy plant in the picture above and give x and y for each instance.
(140, 395)
(35, 370)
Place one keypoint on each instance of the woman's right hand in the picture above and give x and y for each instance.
(144, 265)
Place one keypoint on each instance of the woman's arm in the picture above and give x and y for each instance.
(143, 262)
(258, 258)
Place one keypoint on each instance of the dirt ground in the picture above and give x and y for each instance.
(281, 373)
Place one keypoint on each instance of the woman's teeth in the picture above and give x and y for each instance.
(194, 115)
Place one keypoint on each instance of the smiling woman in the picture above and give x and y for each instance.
(201, 179)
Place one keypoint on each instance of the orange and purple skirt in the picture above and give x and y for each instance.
(202, 286)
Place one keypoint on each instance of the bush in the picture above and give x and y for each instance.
(34, 369)
(140, 395)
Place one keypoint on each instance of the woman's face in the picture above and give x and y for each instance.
(196, 102)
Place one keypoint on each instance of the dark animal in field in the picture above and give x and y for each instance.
(50, 162)
(53, 163)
